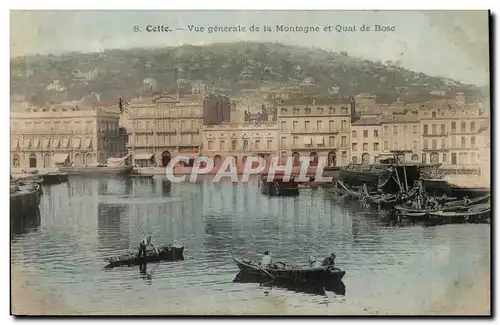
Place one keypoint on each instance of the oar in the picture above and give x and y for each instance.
(267, 272)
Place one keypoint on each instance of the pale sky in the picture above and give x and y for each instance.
(452, 44)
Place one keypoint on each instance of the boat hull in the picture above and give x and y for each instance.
(166, 253)
(119, 170)
(318, 274)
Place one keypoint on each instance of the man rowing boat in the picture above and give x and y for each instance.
(143, 246)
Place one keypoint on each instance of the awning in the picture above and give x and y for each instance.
(143, 156)
(190, 155)
(87, 143)
(15, 144)
(65, 143)
(60, 158)
(320, 140)
(36, 143)
(56, 143)
(307, 140)
(46, 143)
(77, 143)
(27, 143)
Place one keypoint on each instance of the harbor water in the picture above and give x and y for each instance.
(58, 264)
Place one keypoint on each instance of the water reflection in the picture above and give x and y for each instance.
(337, 287)
(109, 231)
(23, 224)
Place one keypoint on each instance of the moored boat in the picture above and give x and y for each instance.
(441, 217)
(280, 271)
(165, 253)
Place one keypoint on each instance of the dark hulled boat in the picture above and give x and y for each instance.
(165, 253)
(291, 274)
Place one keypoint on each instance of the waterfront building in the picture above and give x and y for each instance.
(318, 127)
(164, 126)
(400, 131)
(449, 131)
(366, 139)
(240, 140)
(58, 134)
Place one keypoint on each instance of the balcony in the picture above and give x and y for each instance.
(438, 134)
(315, 131)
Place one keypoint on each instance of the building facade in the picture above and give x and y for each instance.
(366, 140)
(400, 131)
(240, 140)
(164, 126)
(449, 132)
(318, 127)
(43, 137)
(216, 109)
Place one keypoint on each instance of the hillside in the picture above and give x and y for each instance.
(233, 66)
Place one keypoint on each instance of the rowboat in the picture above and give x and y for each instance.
(165, 253)
(473, 215)
(279, 271)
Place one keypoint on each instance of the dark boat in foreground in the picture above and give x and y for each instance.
(315, 288)
(165, 253)
(289, 273)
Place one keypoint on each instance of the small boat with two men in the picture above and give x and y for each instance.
(316, 271)
(147, 253)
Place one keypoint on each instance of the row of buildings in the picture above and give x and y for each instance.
(154, 129)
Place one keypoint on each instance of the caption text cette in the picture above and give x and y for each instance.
(277, 29)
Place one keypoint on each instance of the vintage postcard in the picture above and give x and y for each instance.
(250, 163)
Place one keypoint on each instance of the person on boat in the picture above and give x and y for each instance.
(266, 259)
(313, 262)
(330, 260)
(466, 200)
(143, 246)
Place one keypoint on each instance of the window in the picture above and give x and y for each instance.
(344, 110)
(365, 133)
(307, 110)
(405, 129)
(426, 144)
(414, 145)
(434, 144)
(473, 127)
(354, 147)
(331, 141)
(354, 134)
(343, 141)
(375, 133)
(365, 146)
(354, 159)
(233, 144)
(320, 110)
(434, 129)
(245, 144)
(462, 127)
(473, 141)
(306, 125)
(319, 126)
(414, 157)
(331, 125)
(269, 144)
(426, 129)
(210, 145)
(344, 154)
(434, 114)
(294, 126)
(283, 125)
(414, 129)
(443, 129)
(462, 142)
(330, 110)
(453, 126)
(386, 145)
(283, 142)
(283, 110)
(343, 125)
(395, 130)
(257, 144)
(295, 141)
(376, 146)
(222, 145)
(443, 143)
(386, 130)
(445, 158)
